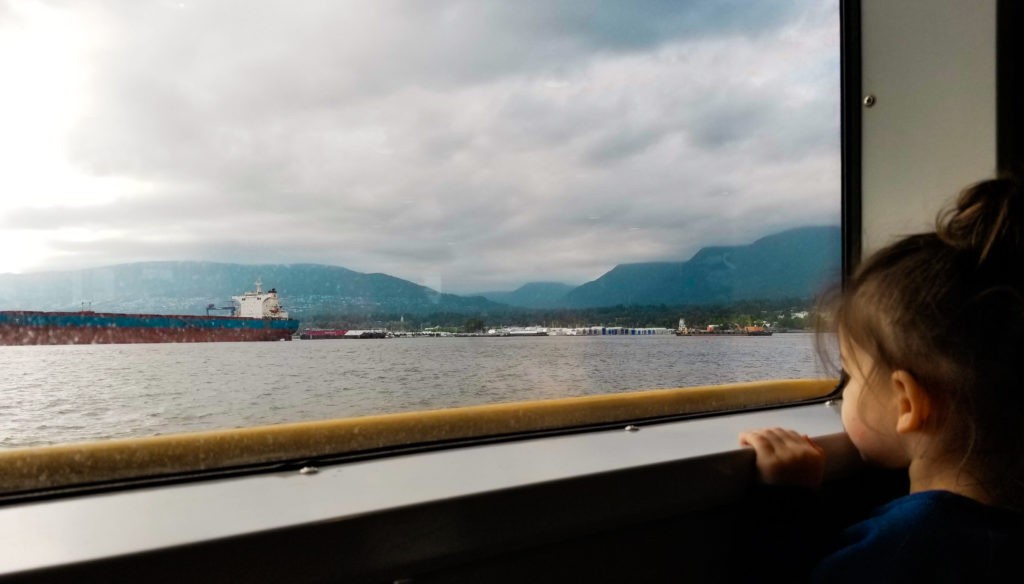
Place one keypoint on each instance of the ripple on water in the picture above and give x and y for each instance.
(74, 393)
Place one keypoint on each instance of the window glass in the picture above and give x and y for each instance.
(437, 204)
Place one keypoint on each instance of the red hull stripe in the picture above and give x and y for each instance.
(93, 335)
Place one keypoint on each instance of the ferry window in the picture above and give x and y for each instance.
(437, 204)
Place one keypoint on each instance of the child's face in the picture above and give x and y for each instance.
(869, 409)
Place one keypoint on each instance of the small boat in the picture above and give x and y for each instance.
(317, 334)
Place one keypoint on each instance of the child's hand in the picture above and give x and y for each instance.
(785, 457)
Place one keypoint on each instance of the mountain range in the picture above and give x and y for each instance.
(795, 263)
(189, 287)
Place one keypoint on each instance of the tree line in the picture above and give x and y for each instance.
(789, 313)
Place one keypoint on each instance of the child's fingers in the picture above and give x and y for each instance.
(785, 456)
(784, 436)
(814, 444)
(761, 443)
(772, 438)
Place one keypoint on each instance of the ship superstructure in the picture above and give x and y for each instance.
(259, 304)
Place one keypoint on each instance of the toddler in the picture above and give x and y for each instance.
(931, 338)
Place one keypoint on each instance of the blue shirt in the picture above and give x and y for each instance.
(931, 536)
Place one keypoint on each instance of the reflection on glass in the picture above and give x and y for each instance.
(458, 202)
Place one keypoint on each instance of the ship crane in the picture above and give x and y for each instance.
(210, 307)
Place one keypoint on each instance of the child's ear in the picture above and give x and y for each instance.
(912, 401)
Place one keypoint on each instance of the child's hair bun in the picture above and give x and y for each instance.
(987, 220)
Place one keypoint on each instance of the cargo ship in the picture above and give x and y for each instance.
(256, 316)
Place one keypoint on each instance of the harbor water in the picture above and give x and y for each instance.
(58, 394)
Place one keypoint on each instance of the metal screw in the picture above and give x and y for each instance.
(632, 428)
(869, 100)
(309, 470)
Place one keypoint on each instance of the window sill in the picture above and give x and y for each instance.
(404, 511)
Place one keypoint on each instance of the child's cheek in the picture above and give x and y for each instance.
(854, 428)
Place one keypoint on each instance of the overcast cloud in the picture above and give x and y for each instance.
(466, 145)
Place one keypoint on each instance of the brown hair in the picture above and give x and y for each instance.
(948, 307)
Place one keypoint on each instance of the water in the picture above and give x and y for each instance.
(85, 392)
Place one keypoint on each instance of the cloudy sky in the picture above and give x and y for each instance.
(467, 145)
